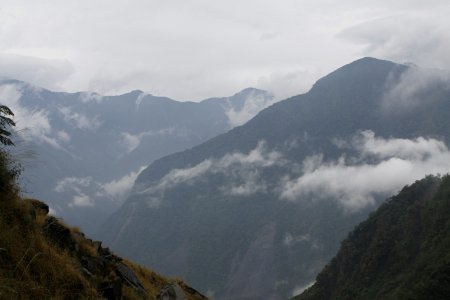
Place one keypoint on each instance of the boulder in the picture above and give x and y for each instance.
(37, 207)
(171, 292)
(128, 275)
(59, 234)
(97, 245)
(95, 265)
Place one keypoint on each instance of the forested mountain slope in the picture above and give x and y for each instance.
(255, 213)
(400, 252)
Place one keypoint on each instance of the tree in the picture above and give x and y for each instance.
(5, 123)
(9, 169)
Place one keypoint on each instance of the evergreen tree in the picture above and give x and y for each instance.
(5, 123)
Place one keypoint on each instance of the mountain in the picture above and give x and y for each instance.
(83, 151)
(42, 258)
(399, 252)
(255, 213)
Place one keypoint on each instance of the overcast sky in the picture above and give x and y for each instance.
(195, 49)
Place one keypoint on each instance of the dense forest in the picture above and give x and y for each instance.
(400, 252)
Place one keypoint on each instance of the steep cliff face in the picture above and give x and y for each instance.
(400, 252)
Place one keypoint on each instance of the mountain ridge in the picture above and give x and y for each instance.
(280, 178)
(91, 147)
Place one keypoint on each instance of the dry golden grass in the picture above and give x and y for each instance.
(32, 267)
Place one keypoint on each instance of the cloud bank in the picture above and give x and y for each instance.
(355, 183)
(380, 168)
(242, 172)
(210, 48)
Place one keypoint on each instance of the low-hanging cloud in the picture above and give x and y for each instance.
(253, 104)
(72, 183)
(289, 82)
(81, 200)
(414, 88)
(248, 182)
(31, 124)
(88, 191)
(119, 187)
(76, 186)
(241, 169)
(132, 141)
(355, 185)
(86, 97)
(78, 119)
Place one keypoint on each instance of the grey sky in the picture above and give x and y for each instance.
(194, 49)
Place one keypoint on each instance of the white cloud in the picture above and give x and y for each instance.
(76, 186)
(81, 200)
(52, 211)
(31, 124)
(419, 36)
(132, 141)
(49, 73)
(300, 289)
(119, 187)
(409, 90)
(284, 48)
(86, 191)
(248, 182)
(139, 99)
(253, 104)
(91, 96)
(79, 120)
(290, 81)
(210, 48)
(242, 169)
(63, 136)
(72, 183)
(397, 162)
(418, 149)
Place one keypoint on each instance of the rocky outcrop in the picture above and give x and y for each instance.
(36, 207)
(128, 276)
(59, 234)
(171, 292)
(97, 263)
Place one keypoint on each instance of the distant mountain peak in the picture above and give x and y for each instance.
(134, 93)
(350, 76)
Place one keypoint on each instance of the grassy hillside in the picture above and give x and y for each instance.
(400, 252)
(42, 258)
